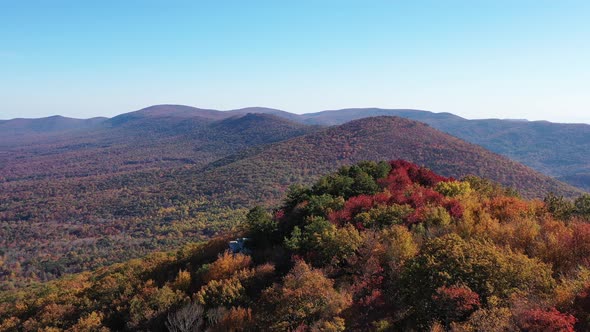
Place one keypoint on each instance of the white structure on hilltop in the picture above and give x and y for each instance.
(239, 246)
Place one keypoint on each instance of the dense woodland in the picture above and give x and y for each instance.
(75, 201)
(382, 246)
(557, 149)
(155, 180)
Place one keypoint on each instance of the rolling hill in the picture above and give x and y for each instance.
(307, 157)
(140, 140)
(160, 177)
(375, 246)
(17, 128)
(34, 130)
(556, 149)
(77, 199)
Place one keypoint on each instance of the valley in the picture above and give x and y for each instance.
(75, 199)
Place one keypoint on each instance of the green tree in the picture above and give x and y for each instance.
(363, 184)
(384, 215)
(324, 241)
(376, 170)
(295, 194)
(262, 227)
(335, 185)
(322, 205)
(560, 207)
(582, 206)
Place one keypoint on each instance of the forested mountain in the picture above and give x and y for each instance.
(377, 246)
(53, 124)
(556, 149)
(336, 117)
(142, 141)
(156, 179)
(167, 117)
(306, 157)
(81, 199)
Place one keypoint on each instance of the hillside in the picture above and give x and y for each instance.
(12, 132)
(337, 117)
(555, 149)
(135, 142)
(79, 199)
(384, 246)
(150, 183)
(164, 176)
(52, 124)
(305, 158)
(558, 150)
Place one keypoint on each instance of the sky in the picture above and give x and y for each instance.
(477, 59)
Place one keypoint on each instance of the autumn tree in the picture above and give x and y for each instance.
(226, 265)
(454, 303)
(233, 320)
(453, 188)
(150, 302)
(482, 267)
(224, 292)
(551, 320)
(304, 298)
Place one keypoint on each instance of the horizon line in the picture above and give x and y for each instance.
(516, 119)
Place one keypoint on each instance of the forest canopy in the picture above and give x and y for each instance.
(379, 246)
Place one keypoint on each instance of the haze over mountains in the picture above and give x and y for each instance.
(555, 149)
(52, 124)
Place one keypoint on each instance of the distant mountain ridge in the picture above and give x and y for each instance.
(556, 149)
(125, 142)
(51, 124)
(335, 117)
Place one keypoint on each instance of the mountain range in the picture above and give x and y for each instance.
(555, 149)
(78, 194)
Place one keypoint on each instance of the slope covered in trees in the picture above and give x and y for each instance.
(556, 149)
(158, 180)
(381, 246)
(17, 131)
(305, 158)
(19, 128)
(78, 200)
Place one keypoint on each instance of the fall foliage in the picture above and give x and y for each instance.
(373, 247)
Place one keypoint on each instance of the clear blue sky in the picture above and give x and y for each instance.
(477, 59)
